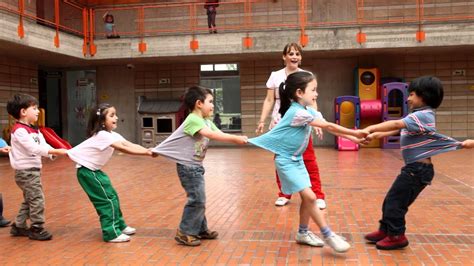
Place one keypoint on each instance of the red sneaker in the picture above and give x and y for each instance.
(392, 242)
(375, 236)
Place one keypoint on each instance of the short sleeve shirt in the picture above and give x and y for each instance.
(289, 138)
(273, 83)
(186, 146)
(419, 140)
(96, 151)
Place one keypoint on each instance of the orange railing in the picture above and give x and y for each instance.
(140, 21)
(60, 15)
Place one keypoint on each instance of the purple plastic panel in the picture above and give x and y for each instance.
(392, 103)
(394, 108)
(341, 143)
(353, 99)
(391, 142)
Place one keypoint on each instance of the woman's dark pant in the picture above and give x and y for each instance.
(211, 19)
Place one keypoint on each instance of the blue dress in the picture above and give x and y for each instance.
(288, 140)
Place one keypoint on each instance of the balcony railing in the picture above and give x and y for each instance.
(246, 16)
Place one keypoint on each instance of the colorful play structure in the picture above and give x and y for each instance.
(375, 101)
(49, 135)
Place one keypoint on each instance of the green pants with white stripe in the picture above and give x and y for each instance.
(105, 199)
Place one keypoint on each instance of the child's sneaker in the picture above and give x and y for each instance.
(129, 230)
(208, 234)
(4, 222)
(375, 236)
(39, 233)
(281, 201)
(392, 242)
(309, 238)
(19, 231)
(321, 204)
(121, 238)
(187, 240)
(337, 243)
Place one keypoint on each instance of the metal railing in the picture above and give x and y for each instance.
(246, 16)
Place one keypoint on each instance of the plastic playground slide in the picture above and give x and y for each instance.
(53, 139)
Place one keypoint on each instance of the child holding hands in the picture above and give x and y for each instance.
(90, 156)
(28, 146)
(288, 140)
(187, 147)
(419, 142)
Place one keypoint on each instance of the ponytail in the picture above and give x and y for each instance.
(285, 100)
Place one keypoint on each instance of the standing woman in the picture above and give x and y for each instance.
(292, 55)
(211, 12)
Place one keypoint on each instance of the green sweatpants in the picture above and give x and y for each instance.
(105, 199)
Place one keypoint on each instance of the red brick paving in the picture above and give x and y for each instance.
(241, 192)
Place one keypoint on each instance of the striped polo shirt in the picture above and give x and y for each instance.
(419, 139)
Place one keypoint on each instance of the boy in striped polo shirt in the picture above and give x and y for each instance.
(419, 141)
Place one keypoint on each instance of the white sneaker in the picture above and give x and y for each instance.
(309, 238)
(120, 238)
(129, 230)
(338, 243)
(321, 204)
(281, 201)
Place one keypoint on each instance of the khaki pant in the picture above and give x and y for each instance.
(29, 181)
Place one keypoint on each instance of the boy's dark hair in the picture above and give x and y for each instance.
(293, 45)
(429, 88)
(97, 119)
(18, 102)
(194, 94)
(287, 89)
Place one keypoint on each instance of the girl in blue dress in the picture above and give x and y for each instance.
(288, 140)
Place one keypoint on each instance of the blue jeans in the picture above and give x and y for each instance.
(414, 177)
(194, 220)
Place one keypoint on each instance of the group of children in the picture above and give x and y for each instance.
(187, 147)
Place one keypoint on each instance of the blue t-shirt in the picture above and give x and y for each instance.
(419, 139)
(289, 138)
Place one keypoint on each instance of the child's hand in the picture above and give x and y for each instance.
(365, 142)
(371, 136)
(468, 144)
(5, 149)
(242, 140)
(319, 132)
(360, 141)
(361, 133)
(151, 153)
(59, 152)
(260, 127)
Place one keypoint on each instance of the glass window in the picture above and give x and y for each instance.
(225, 67)
(207, 67)
(226, 91)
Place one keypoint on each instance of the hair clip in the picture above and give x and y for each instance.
(98, 112)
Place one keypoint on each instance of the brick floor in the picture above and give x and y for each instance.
(241, 192)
